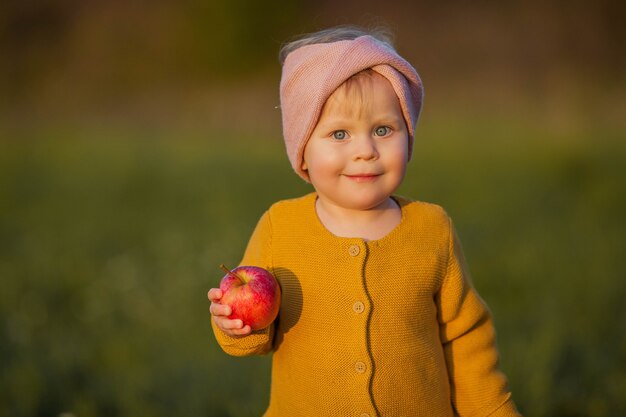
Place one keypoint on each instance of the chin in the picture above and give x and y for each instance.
(365, 202)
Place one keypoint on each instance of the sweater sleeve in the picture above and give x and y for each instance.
(478, 388)
(258, 253)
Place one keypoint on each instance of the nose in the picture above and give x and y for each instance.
(365, 148)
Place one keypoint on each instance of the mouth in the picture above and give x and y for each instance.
(362, 177)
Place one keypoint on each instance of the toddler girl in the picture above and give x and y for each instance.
(378, 314)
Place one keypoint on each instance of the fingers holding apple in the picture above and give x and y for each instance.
(214, 295)
(251, 293)
(220, 313)
(232, 328)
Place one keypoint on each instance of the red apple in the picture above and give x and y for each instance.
(253, 295)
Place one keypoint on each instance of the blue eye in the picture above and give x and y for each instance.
(340, 134)
(382, 131)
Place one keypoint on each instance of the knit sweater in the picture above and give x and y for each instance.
(390, 327)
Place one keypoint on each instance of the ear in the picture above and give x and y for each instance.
(304, 166)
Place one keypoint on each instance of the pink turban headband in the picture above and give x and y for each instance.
(313, 72)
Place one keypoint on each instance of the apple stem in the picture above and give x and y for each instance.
(228, 271)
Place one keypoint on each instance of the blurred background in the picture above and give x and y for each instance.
(140, 142)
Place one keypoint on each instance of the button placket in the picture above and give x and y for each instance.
(359, 307)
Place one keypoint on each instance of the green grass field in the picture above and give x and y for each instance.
(109, 243)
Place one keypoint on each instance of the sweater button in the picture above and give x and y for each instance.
(358, 307)
(354, 250)
(359, 367)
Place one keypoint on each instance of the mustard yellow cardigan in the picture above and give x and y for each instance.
(391, 327)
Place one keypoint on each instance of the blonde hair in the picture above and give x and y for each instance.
(335, 34)
(355, 91)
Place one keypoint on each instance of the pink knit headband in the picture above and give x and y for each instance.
(312, 73)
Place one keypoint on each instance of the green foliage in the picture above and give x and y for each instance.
(108, 246)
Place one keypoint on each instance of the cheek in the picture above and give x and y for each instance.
(397, 152)
(321, 161)
(396, 161)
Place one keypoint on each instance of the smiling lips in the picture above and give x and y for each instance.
(362, 177)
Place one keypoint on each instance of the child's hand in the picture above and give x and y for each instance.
(220, 313)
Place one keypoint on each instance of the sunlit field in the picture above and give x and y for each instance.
(109, 243)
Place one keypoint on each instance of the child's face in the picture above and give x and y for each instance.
(356, 157)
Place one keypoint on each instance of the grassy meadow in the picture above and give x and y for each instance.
(109, 242)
